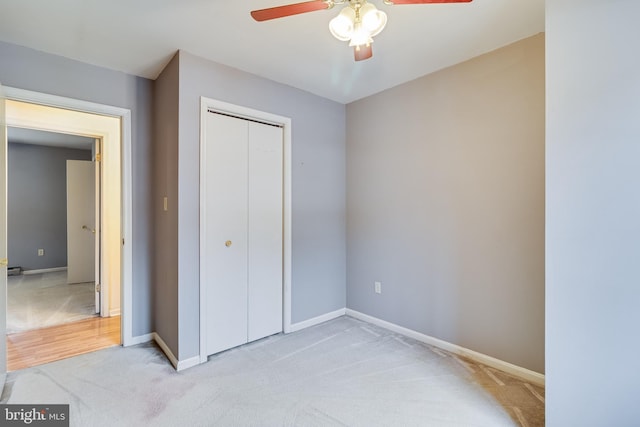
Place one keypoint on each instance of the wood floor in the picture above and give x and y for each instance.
(32, 348)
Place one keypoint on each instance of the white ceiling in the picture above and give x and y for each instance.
(140, 36)
(50, 139)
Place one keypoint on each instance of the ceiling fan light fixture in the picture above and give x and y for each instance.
(342, 26)
(360, 36)
(357, 23)
(373, 20)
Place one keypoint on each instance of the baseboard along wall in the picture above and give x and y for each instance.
(43, 270)
(517, 371)
(140, 339)
(179, 365)
(317, 320)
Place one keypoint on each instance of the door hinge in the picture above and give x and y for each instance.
(122, 242)
(98, 157)
(4, 262)
(98, 287)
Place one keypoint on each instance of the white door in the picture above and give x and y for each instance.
(242, 231)
(226, 233)
(3, 232)
(81, 221)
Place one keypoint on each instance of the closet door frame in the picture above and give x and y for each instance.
(206, 105)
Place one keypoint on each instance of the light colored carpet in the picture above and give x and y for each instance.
(41, 300)
(342, 373)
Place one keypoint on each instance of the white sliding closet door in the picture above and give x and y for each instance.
(242, 231)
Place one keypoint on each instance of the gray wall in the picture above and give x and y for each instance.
(37, 204)
(32, 70)
(166, 222)
(593, 213)
(318, 133)
(445, 190)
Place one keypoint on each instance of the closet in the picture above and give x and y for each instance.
(241, 230)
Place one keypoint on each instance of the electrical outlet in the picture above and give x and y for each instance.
(377, 286)
(40, 252)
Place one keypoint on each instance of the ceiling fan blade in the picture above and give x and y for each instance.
(426, 1)
(360, 53)
(289, 9)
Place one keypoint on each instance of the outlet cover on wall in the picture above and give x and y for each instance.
(40, 252)
(377, 286)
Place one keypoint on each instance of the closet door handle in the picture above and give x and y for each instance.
(228, 243)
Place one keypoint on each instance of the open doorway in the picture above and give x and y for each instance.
(51, 225)
(103, 232)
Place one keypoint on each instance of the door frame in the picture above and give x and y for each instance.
(126, 201)
(207, 104)
(108, 130)
(97, 152)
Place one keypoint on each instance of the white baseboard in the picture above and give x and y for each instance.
(317, 320)
(114, 312)
(43, 270)
(179, 365)
(188, 363)
(525, 374)
(140, 339)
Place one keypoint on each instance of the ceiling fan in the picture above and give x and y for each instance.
(357, 22)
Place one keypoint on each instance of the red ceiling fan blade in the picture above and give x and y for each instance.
(288, 10)
(427, 1)
(360, 53)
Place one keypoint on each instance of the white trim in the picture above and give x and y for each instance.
(17, 94)
(113, 313)
(43, 270)
(188, 363)
(288, 233)
(127, 201)
(179, 365)
(525, 374)
(317, 320)
(285, 122)
(126, 290)
(141, 339)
